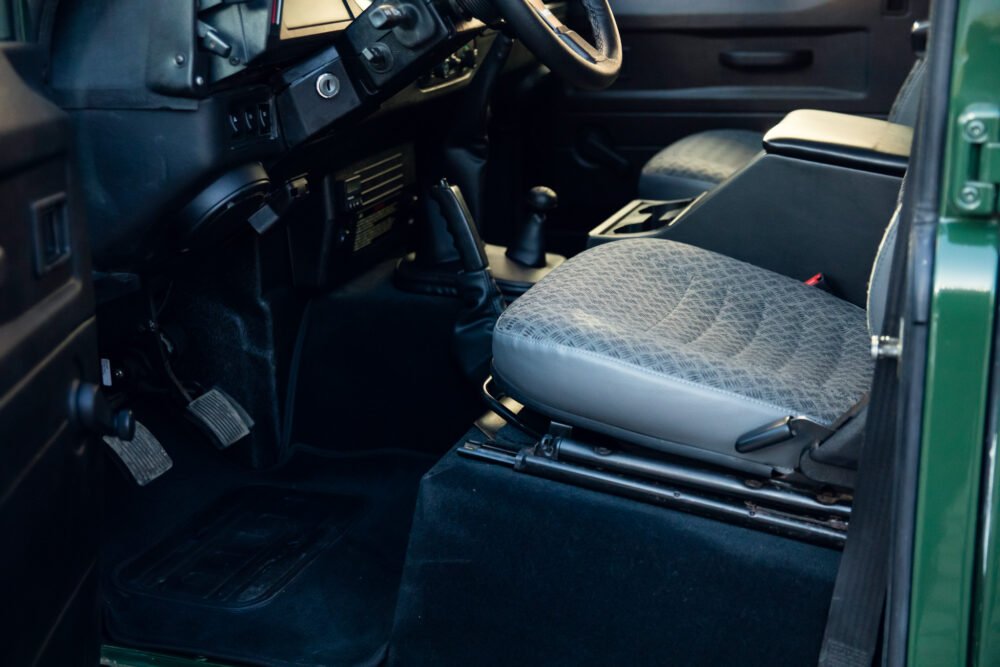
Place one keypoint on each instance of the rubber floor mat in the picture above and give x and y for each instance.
(241, 550)
(293, 566)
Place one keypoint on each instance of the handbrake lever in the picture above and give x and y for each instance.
(482, 301)
(471, 250)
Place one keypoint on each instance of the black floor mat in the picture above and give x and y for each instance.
(242, 550)
(294, 566)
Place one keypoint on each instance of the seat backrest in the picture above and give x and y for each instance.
(878, 283)
(904, 108)
(904, 111)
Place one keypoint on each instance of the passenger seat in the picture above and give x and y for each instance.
(699, 162)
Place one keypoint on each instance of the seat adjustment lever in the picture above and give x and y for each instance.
(778, 431)
(765, 436)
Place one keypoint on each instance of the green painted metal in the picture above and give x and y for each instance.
(986, 615)
(959, 350)
(981, 85)
(117, 656)
(955, 604)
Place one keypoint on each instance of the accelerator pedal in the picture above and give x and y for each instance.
(221, 418)
(143, 456)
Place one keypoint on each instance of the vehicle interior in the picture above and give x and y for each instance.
(446, 332)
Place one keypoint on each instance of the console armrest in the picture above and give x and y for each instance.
(841, 139)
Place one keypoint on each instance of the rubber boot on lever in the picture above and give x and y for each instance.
(482, 302)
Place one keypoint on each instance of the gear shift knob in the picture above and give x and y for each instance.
(542, 199)
(528, 248)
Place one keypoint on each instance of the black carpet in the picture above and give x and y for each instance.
(378, 364)
(294, 566)
(508, 569)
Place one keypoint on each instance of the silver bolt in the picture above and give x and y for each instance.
(886, 347)
(199, 81)
(179, 59)
(234, 60)
(975, 130)
(970, 197)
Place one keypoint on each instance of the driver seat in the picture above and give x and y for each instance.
(680, 349)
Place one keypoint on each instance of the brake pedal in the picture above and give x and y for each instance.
(221, 418)
(143, 456)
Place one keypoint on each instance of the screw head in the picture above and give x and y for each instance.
(969, 197)
(975, 130)
(179, 59)
(199, 81)
(235, 60)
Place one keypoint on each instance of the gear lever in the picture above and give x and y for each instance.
(482, 302)
(528, 248)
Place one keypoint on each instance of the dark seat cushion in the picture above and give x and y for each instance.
(697, 163)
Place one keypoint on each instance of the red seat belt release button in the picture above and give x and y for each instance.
(816, 280)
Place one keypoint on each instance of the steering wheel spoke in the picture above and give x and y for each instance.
(563, 50)
(570, 37)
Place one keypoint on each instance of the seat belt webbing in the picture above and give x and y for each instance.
(859, 592)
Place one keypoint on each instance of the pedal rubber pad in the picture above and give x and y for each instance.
(144, 457)
(220, 417)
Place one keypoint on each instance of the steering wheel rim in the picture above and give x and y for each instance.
(564, 51)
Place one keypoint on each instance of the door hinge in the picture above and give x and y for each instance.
(977, 161)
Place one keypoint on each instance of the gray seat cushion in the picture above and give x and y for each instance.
(681, 349)
(697, 163)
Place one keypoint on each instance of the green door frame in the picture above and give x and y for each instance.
(955, 600)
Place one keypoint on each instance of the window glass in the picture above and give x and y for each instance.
(6, 24)
(19, 19)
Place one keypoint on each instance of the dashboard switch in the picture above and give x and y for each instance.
(250, 121)
(387, 16)
(212, 41)
(235, 126)
(378, 56)
(264, 117)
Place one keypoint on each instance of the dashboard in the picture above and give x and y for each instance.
(197, 117)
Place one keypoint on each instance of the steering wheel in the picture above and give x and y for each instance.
(562, 50)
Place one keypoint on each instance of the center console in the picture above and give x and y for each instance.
(639, 217)
(817, 199)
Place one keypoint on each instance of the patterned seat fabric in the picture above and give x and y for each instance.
(676, 347)
(697, 163)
